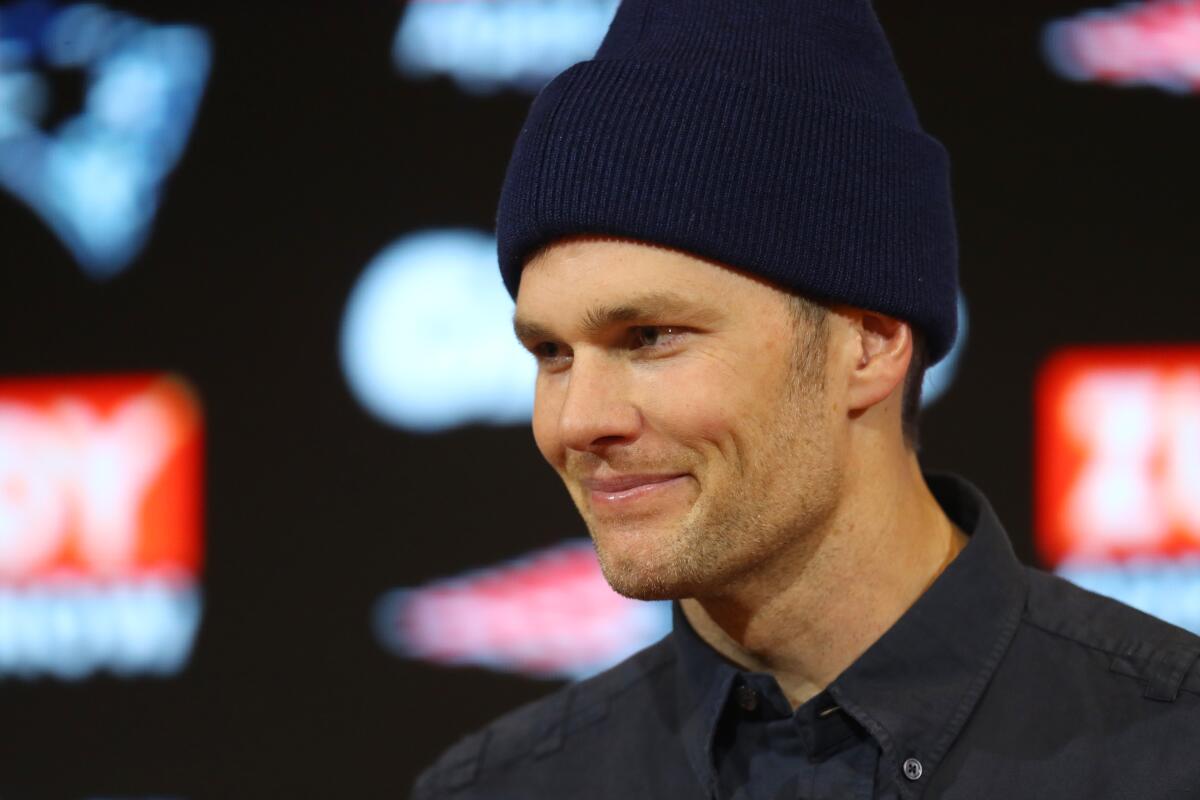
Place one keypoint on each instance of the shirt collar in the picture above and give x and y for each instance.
(914, 688)
(707, 679)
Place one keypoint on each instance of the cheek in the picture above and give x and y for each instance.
(545, 426)
(695, 405)
(730, 407)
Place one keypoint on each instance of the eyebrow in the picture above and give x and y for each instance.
(653, 306)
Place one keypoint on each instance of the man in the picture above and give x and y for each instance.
(731, 246)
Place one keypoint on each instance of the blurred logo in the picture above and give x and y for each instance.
(1136, 44)
(427, 340)
(941, 375)
(1118, 474)
(489, 45)
(96, 179)
(550, 614)
(100, 525)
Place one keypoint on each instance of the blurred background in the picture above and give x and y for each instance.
(272, 522)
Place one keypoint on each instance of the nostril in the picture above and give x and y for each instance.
(609, 440)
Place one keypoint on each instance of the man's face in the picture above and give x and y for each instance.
(675, 402)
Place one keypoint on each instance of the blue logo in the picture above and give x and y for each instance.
(427, 341)
(96, 179)
(489, 45)
(939, 377)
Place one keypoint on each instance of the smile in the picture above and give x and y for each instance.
(626, 490)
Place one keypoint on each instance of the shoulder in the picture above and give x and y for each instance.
(1100, 631)
(523, 737)
(1091, 699)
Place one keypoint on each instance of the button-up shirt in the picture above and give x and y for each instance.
(1000, 681)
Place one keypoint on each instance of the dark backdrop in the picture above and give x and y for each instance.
(1076, 213)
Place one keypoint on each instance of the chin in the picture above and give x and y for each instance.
(636, 585)
(642, 573)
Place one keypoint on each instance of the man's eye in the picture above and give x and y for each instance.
(652, 335)
(548, 351)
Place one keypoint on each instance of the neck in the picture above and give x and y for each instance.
(813, 611)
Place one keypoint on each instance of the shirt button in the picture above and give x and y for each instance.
(747, 698)
(912, 769)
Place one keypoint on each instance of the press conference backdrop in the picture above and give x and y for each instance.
(271, 518)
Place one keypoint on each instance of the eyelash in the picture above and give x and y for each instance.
(541, 349)
(664, 331)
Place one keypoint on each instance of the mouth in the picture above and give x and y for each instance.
(620, 491)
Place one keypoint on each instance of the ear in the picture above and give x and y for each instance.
(882, 348)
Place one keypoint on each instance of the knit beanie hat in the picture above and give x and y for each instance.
(775, 136)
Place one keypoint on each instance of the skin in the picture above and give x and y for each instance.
(726, 454)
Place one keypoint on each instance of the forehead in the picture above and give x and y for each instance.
(569, 276)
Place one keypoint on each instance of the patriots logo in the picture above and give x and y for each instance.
(97, 177)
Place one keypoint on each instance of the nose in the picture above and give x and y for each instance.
(596, 410)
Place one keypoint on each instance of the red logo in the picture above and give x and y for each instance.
(549, 614)
(1154, 44)
(100, 524)
(1118, 454)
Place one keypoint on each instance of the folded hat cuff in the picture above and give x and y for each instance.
(823, 199)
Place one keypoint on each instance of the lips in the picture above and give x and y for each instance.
(633, 493)
(624, 483)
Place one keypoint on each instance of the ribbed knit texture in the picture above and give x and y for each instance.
(775, 136)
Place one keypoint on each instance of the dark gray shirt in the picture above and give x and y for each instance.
(1001, 681)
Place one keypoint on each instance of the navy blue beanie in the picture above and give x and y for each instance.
(775, 136)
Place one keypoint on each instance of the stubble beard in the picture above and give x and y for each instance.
(774, 502)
